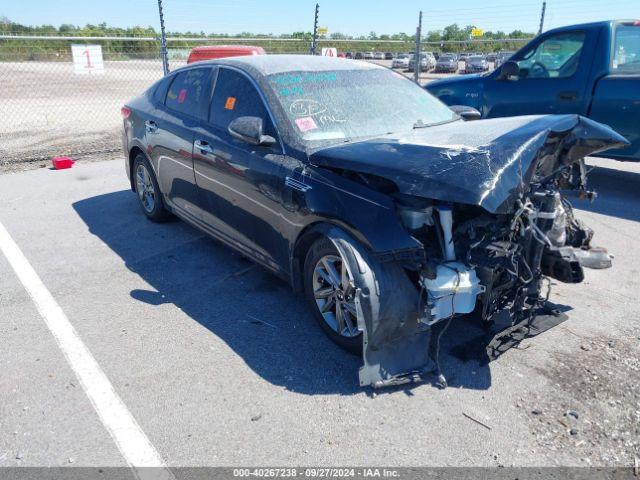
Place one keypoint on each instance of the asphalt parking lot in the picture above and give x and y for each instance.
(220, 364)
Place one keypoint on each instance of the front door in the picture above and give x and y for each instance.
(552, 80)
(240, 184)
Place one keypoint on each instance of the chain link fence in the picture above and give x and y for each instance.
(47, 108)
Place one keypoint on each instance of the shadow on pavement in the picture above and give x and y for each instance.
(251, 310)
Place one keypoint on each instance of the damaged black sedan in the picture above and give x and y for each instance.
(390, 212)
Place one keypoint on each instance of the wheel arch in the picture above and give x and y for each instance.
(133, 153)
(307, 236)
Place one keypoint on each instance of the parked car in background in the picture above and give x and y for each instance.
(476, 64)
(447, 63)
(427, 62)
(358, 56)
(591, 69)
(388, 56)
(368, 55)
(211, 52)
(349, 54)
(502, 57)
(378, 56)
(491, 57)
(388, 223)
(401, 61)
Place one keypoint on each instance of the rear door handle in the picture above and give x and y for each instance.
(151, 126)
(203, 146)
(568, 96)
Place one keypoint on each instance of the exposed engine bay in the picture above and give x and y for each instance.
(502, 260)
(495, 264)
(493, 255)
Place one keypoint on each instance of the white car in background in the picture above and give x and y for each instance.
(401, 61)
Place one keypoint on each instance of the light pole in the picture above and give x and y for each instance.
(416, 58)
(163, 41)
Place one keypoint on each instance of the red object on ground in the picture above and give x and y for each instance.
(60, 163)
(209, 52)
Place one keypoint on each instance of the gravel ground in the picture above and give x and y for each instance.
(595, 413)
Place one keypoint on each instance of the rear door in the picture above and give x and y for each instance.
(554, 76)
(616, 100)
(241, 184)
(171, 137)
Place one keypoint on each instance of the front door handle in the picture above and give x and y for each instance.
(151, 126)
(203, 146)
(568, 96)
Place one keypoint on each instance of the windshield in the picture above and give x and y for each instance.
(626, 53)
(343, 105)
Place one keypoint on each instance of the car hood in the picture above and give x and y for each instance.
(487, 162)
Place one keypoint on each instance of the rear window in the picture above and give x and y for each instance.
(187, 91)
(626, 49)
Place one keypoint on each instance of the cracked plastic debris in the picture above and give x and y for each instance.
(395, 345)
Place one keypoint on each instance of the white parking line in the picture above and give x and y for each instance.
(117, 419)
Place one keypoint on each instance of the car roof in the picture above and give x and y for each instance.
(271, 64)
(587, 26)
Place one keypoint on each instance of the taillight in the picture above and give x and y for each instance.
(636, 23)
(125, 112)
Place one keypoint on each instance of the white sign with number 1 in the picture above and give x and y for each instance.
(87, 59)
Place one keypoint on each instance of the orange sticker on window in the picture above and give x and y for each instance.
(230, 104)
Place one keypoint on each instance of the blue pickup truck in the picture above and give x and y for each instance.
(591, 69)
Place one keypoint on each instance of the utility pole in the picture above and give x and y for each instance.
(163, 41)
(544, 7)
(416, 58)
(315, 31)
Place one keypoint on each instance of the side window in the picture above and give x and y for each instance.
(555, 57)
(235, 96)
(626, 51)
(187, 91)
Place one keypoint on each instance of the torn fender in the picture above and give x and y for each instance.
(487, 163)
(395, 345)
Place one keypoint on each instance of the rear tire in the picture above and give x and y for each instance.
(148, 191)
(330, 295)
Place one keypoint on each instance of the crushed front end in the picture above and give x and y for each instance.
(493, 262)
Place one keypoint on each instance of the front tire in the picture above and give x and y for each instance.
(330, 293)
(148, 191)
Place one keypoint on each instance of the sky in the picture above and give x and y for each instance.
(353, 17)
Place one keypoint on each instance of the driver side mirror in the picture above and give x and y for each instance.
(466, 113)
(510, 71)
(250, 130)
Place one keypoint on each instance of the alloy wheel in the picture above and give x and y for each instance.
(335, 295)
(145, 189)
